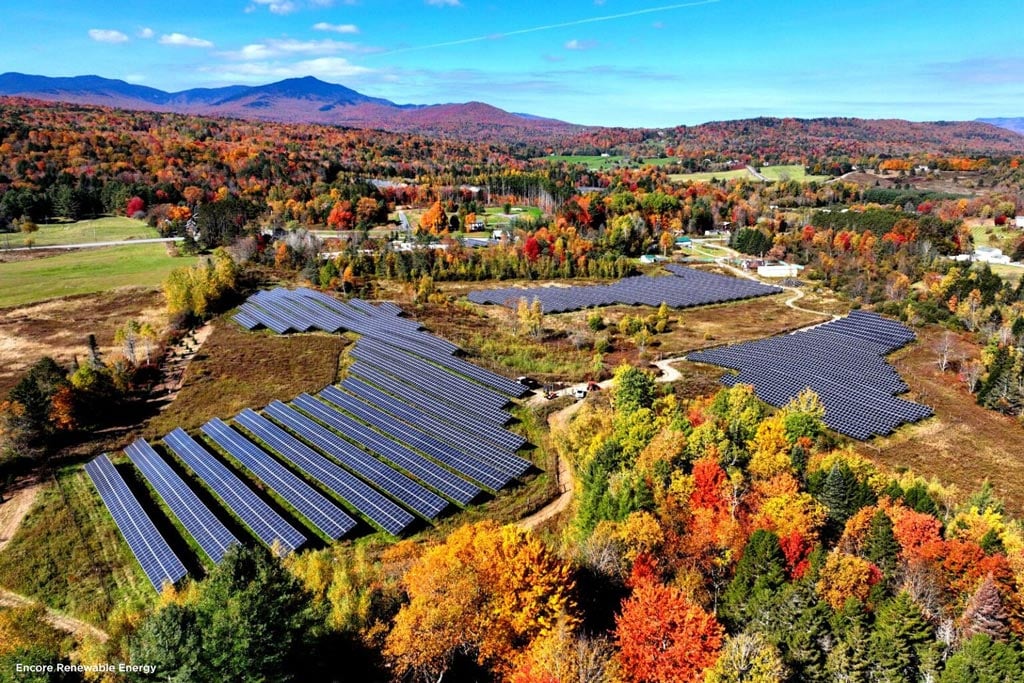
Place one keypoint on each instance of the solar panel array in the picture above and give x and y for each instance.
(158, 561)
(842, 361)
(683, 288)
(201, 524)
(411, 431)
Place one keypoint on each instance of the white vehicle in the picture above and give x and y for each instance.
(579, 393)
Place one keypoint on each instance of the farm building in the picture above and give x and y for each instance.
(779, 270)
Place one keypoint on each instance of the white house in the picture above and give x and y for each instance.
(990, 255)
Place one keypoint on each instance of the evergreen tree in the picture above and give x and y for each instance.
(903, 642)
(251, 620)
(916, 498)
(808, 638)
(843, 495)
(760, 573)
(880, 545)
(850, 659)
(983, 660)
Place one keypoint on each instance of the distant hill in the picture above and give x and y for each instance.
(295, 100)
(791, 140)
(1016, 124)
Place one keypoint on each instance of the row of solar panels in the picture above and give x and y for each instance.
(842, 361)
(684, 288)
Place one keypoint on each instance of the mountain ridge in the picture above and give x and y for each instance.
(294, 100)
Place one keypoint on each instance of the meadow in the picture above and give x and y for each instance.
(106, 229)
(84, 272)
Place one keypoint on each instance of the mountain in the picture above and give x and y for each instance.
(296, 100)
(1016, 124)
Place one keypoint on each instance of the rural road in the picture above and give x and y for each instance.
(89, 245)
(757, 174)
(53, 617)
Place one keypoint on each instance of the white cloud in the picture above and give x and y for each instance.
(106, 35)
(336, 28)
(444, 3)
(180, 39)
(279, 47)
(575, 44)
(278, 6)
(145, 32)
(322, 67)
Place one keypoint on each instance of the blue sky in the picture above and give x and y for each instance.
(606, 62)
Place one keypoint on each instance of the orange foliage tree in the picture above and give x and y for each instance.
(663, 637)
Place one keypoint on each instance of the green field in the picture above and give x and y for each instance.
(109, 229)
(706, 176)
(773, 173)
(85, 271)
(796, 172)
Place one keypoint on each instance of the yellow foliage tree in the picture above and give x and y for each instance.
(769, 449)
(846, 576)
(487, 590)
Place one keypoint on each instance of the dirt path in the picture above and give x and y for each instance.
(54, 618)
(12, 511)
(14, 508)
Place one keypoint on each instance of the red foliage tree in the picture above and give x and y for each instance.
(531, 248)
(663, 637)
(135, 205)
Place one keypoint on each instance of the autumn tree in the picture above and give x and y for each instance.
(341, 216)
(747, 658)
(487, 592)
(434, 220)
(663, 637)
(985, 613)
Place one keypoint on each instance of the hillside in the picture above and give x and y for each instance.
(794, 140)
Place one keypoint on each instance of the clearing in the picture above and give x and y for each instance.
(84, 272)
(107, 229)
(236, 369)
(964, 443)
(60, 327)
(773, 173)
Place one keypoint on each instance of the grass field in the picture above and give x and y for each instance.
(83, 272)
(710, 175)
(236, 369)
(796, 172)
(108, 229)
(773, 173)
(68, 554)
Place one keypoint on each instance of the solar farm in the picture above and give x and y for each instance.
(843, 361)
(411, 433)
(682, 288)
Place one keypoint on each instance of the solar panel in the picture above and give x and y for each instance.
(158, 561)
(438, 407)
(462, 462)
(261, 519)
(467, 437)
(368, 501)
(324, 514)
(426, 471)
(201, 524)
(395, 484)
